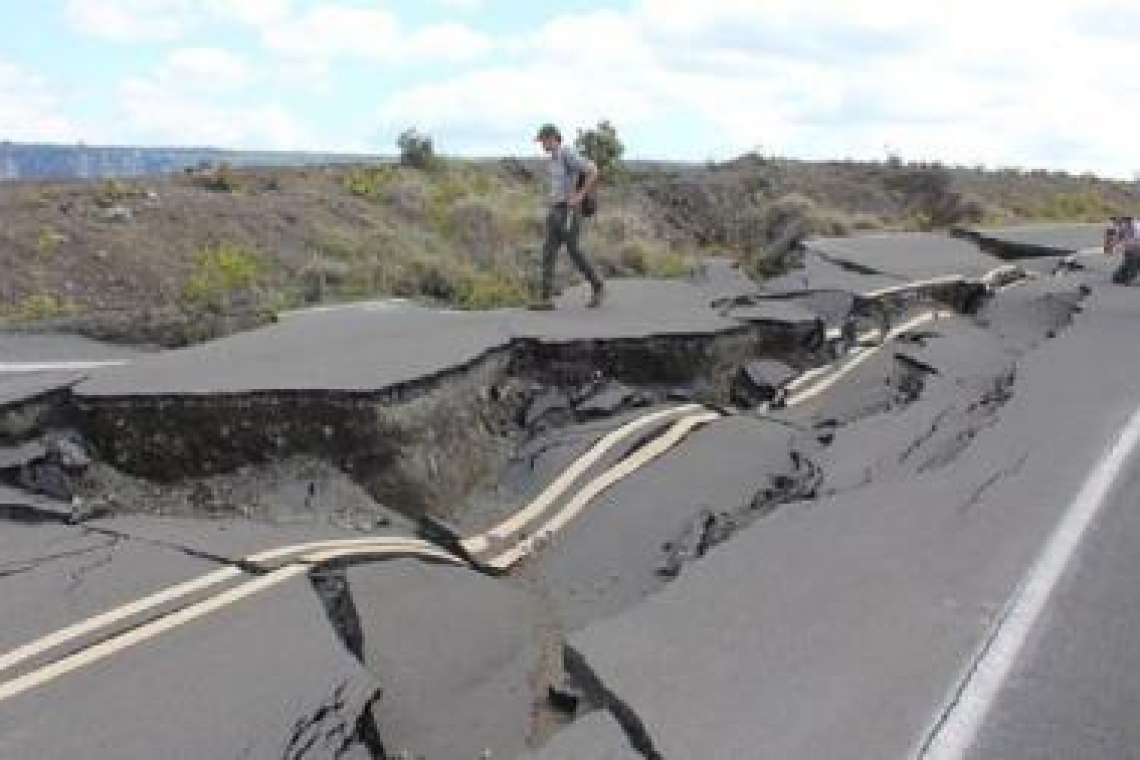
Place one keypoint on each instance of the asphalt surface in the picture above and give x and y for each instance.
(841, 625)
(816, 581)
(368, 349)
(1057, 238)
(906, 257)
(1075, 691)
(213, 688)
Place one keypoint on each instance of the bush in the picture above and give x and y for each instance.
(416, 149)
(113, 192)
(39, 306)
(369, 181)
(221, 179)
(602, 146)
(458, 283)
(1075, 206)
(221, 272)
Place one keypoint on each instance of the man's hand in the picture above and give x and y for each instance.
(575, 199)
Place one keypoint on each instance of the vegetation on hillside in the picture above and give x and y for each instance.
(465, 233)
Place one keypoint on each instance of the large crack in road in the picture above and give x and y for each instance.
(465, 665)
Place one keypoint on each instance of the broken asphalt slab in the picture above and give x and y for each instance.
(906, 256)
(364, 350)
(646, 528)
(455, 654)
(838, 628)
(1033, 240)
(210, 688)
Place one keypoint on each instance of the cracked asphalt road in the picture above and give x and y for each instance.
(809, 581)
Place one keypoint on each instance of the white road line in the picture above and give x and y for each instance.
(480, 543)
(309, 553)
(958, 727)
(859, 356)
(20, 367)
(637, 460)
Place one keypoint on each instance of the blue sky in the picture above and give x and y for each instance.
(1042, 86)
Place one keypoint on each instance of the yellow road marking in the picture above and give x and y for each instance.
(381, 551)
(310, 553)
(138, 635)
(637, 460)
(480, 543)
(92, 624)
(953, 279)
(284, 552)
(860, 356)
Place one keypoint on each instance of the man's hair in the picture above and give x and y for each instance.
(548, 130)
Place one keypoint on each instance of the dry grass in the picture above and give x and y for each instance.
(463, 233)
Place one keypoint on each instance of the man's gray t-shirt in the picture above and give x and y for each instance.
(565, 166)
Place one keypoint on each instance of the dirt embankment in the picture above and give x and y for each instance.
(167, 258)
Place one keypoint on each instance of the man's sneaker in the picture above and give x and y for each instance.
(542, 305)
(597, 297)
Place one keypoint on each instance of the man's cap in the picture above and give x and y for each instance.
(548, 130)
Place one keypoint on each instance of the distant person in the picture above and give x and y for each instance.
(572, 178)
(1110, 233)
(1128, 246)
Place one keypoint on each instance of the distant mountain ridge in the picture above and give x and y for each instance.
(53, 161)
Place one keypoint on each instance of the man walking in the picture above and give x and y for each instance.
(572, 177)
(1126, 243)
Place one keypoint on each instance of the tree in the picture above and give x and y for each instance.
(416, 149)
(602, 146)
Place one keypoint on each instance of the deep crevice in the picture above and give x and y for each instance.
(578, 668)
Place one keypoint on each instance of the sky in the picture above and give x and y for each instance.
(1053, 84)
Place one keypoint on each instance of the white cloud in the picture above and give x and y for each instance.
(329, 32)
(462, 6)
(132, 19)
(30, 109)
(202, 96)
(159, 20)
(254, 13)
(335, 30)
(986, 83)
(155, 113)
(207, 69)
(446, 42)
(496, 109)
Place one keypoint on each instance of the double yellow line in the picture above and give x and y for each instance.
(532, 526)
(282, 564)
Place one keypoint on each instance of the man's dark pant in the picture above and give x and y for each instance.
(560, 230)
(1126, 273)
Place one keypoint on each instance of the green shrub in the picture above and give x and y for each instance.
(369, 181)
(1083, 206)
(39, 306)
(416, 149)
(221, 272)
(221, 179)
(113, 192)
(493, 289)
(49, 241)
(457, 283)
(602, 145)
